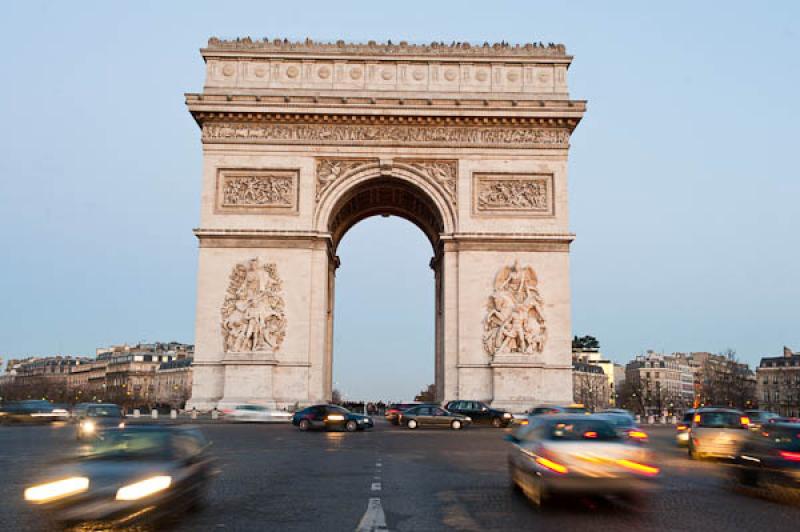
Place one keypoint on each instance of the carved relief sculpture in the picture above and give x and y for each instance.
(523, 193)
(444, 172)
(253, 317)
(514, 322)
(329, 170)
(256, 190)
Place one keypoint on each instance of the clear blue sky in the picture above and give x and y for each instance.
(684, 181)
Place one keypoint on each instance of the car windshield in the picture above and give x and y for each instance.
(132, 444)
(581, 430)
(621, 421)
(104, 411)
(727, 420)
(784, 438)
(338, 410)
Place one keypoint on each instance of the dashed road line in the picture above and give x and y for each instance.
(374, 519)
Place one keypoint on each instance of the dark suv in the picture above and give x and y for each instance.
(481, 413)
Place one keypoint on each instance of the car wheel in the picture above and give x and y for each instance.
(351, 426)
(412, 424)
(304, 424)
(497, 422)
(455, 425)
(538, 493)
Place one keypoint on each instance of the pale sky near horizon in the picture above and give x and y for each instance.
(683, 183)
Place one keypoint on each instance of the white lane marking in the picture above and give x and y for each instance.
(376, 486)
(374, 519)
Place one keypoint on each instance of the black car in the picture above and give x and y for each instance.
(481, 413)
(29, 411)
(140, 474)
(330, 417)
(433, 416)
(96, 418)
(770, 459)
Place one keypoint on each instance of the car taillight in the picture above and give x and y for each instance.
(788, 455)
(644, 469)
(637, 435)
(681, 427)
(550, 465)
(591, 435)
(227, 411)
(745, 421)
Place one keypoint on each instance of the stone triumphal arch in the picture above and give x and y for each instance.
(303, 140)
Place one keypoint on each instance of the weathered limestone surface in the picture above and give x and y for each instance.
(303, 140)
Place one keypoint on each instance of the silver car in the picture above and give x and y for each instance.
(717, 433)
(577, 454)
(251, 413)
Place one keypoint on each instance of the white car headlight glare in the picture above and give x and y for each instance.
(143, 488)
(87, 426)
(56, 490)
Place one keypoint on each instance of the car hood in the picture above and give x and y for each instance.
(110, 473)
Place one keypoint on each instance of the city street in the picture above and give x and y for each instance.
(273, 477)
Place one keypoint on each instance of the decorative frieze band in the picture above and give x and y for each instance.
(519, 194)
(331, 169)
(386, 135)
(245, 191)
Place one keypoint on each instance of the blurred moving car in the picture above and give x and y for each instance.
(717, 433)
(625, 425)
(577, 454)
(393, 412)
(481, 413)
(759, 417)
(330, 417)
(96, 418)
(31, 411)
(770, 459)
(542, 410)
(257, 414)
(142, 473)
(433, 416)
(682, 428)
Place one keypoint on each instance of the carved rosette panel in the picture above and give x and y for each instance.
(331, 169)
(257, 191)
(253, 317)
(443, 172)
(514, 320)
(386, 135)
(525, 194)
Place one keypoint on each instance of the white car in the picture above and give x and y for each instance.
(257, 414)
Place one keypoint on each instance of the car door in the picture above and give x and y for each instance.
(424, 416)
(478, 412)
(457, 406)
(439, 417)
(317, 416)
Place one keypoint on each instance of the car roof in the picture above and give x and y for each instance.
(718, 409)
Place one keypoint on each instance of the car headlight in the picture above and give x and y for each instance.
(138, 490)
(88, 426)
(467, 418)
(56, 490)
(121, 425)
(507, 415)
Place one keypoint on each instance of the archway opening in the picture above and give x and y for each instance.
(385, 293)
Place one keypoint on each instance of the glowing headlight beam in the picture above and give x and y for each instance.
(141, 489)
(56, 490)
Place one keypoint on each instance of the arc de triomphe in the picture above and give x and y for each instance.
(303, 140)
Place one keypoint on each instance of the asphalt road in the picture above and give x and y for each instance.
(273, 477)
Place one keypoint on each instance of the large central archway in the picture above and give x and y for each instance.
(385, 195)
(303, 140)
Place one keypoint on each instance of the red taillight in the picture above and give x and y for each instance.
(227, 411)
(682, 427)
(788, 455)
(551, 466)
(644, 469)
(637, 435)
(590, 435)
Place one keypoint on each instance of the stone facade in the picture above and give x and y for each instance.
(303, 140)
(778, 381)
